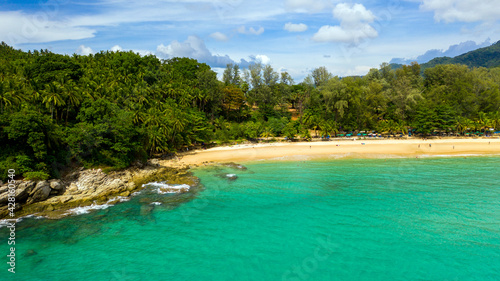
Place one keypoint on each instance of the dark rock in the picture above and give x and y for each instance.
(4, 211)
(40, 192)
(138, 164)
(56, 185)
(23, 190)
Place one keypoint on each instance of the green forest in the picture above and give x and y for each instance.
(114, 109)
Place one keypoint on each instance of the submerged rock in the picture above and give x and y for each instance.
(228, 176)
(235, 166)
(146, 210)
(30, 253)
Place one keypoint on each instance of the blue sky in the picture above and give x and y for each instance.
(348, 37)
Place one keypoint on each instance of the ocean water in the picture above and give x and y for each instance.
(349, 219)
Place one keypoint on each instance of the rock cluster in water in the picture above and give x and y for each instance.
(80, 188)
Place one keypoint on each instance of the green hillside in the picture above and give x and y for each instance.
(484, 57)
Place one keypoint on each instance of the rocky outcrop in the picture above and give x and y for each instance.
(39, 193)
(82, 187)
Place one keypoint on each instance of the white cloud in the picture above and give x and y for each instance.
(295, 27)
(307, 6)
(243, 30)
(84, 51)
(358, 70)
(195, 48)
(352, 14)
(18, 27)
(219, 36)
(463, 10)
(143, 53)
(263, 59)
(354, 25)
(116, 48)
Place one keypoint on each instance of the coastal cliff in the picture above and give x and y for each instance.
(83, 187)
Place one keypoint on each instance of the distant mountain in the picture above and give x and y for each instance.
(452, 51)
(483, 57)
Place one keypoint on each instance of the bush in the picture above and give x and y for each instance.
(24, 163)
(36, 176)
(8, 163)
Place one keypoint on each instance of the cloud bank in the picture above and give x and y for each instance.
(463, 10)
(194, 47)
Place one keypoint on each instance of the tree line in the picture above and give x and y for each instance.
(111, 109)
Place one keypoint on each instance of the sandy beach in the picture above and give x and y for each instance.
(338, 149)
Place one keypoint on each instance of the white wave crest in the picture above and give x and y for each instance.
(164, 188)
(87, 209)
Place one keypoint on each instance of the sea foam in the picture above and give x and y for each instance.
(164, 188)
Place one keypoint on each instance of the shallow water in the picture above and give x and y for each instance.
(367, 219)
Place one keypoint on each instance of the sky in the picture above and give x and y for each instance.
(297, 36)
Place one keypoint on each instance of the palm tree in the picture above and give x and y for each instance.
(53, 97)
(461, 125)
(328, 127)
(469, 125)
(155, 140)
(73, 97)
(153, 117)
(10, 92)
(5, 98)
(266, 133)
(495, 119)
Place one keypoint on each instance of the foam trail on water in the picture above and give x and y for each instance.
(164, 188)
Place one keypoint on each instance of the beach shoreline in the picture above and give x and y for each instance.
(122, 185)
(336, 149)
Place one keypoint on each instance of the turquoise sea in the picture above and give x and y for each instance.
(348, 219)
